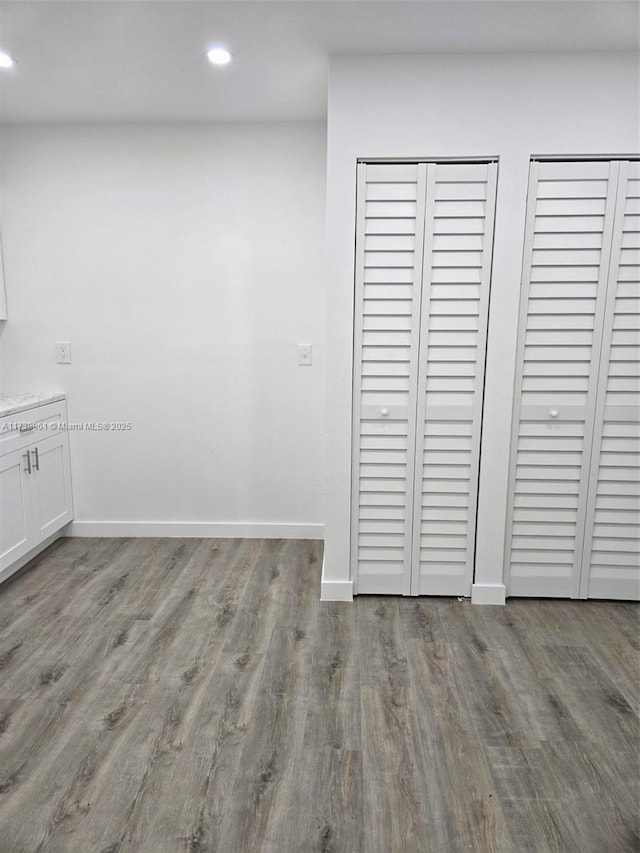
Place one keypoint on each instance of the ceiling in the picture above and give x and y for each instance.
(143, 60)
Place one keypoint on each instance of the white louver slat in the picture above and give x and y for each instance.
(571, 317)
(455, 301)
(423, 253)
(612, 542)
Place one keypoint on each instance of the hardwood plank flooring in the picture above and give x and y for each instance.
(195, 695)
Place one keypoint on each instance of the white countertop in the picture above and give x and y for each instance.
(11, 404)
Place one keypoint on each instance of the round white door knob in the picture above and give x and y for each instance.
(384, 412)
(553, 413)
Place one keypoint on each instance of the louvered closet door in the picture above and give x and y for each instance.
(571, 223)
(423, 257)
(390, 235)
(611, 561)
(455, 303)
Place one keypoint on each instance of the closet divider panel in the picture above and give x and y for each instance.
(389, 245)
(454, 312)
(569, 230)
(611, 561)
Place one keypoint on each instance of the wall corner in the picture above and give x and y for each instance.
(335, 590)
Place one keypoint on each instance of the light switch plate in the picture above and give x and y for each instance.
(63, 352)
(305, 353)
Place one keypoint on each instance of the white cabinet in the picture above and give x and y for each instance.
(50, 483)
(423, 260)
(35, 482)
(15, 508)
(574, 508)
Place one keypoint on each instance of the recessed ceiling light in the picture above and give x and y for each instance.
(219, 55)
(5, 60)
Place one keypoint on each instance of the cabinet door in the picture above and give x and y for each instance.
(50, 486)
(611, 557)
(453, 333)
(15, 509)
(389, 241)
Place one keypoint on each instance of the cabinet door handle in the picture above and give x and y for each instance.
(36, 464)
(27, 467)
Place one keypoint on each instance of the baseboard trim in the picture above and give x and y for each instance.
(196, 529)
(335, 590)
(490, 593)
(6, 573)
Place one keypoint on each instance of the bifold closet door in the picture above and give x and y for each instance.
(390, 240)
(423, 255)
(573, 323)
(611, 555)
(453, 334)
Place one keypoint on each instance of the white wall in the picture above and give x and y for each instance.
(511, 106)
(183, 263)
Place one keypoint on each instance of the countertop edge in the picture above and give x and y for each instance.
(14, 404)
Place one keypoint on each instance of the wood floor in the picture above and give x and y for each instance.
(195, 695)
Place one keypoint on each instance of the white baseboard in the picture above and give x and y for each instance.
(196, 529)
(14, 567)
(493, 593)
(335, 590)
